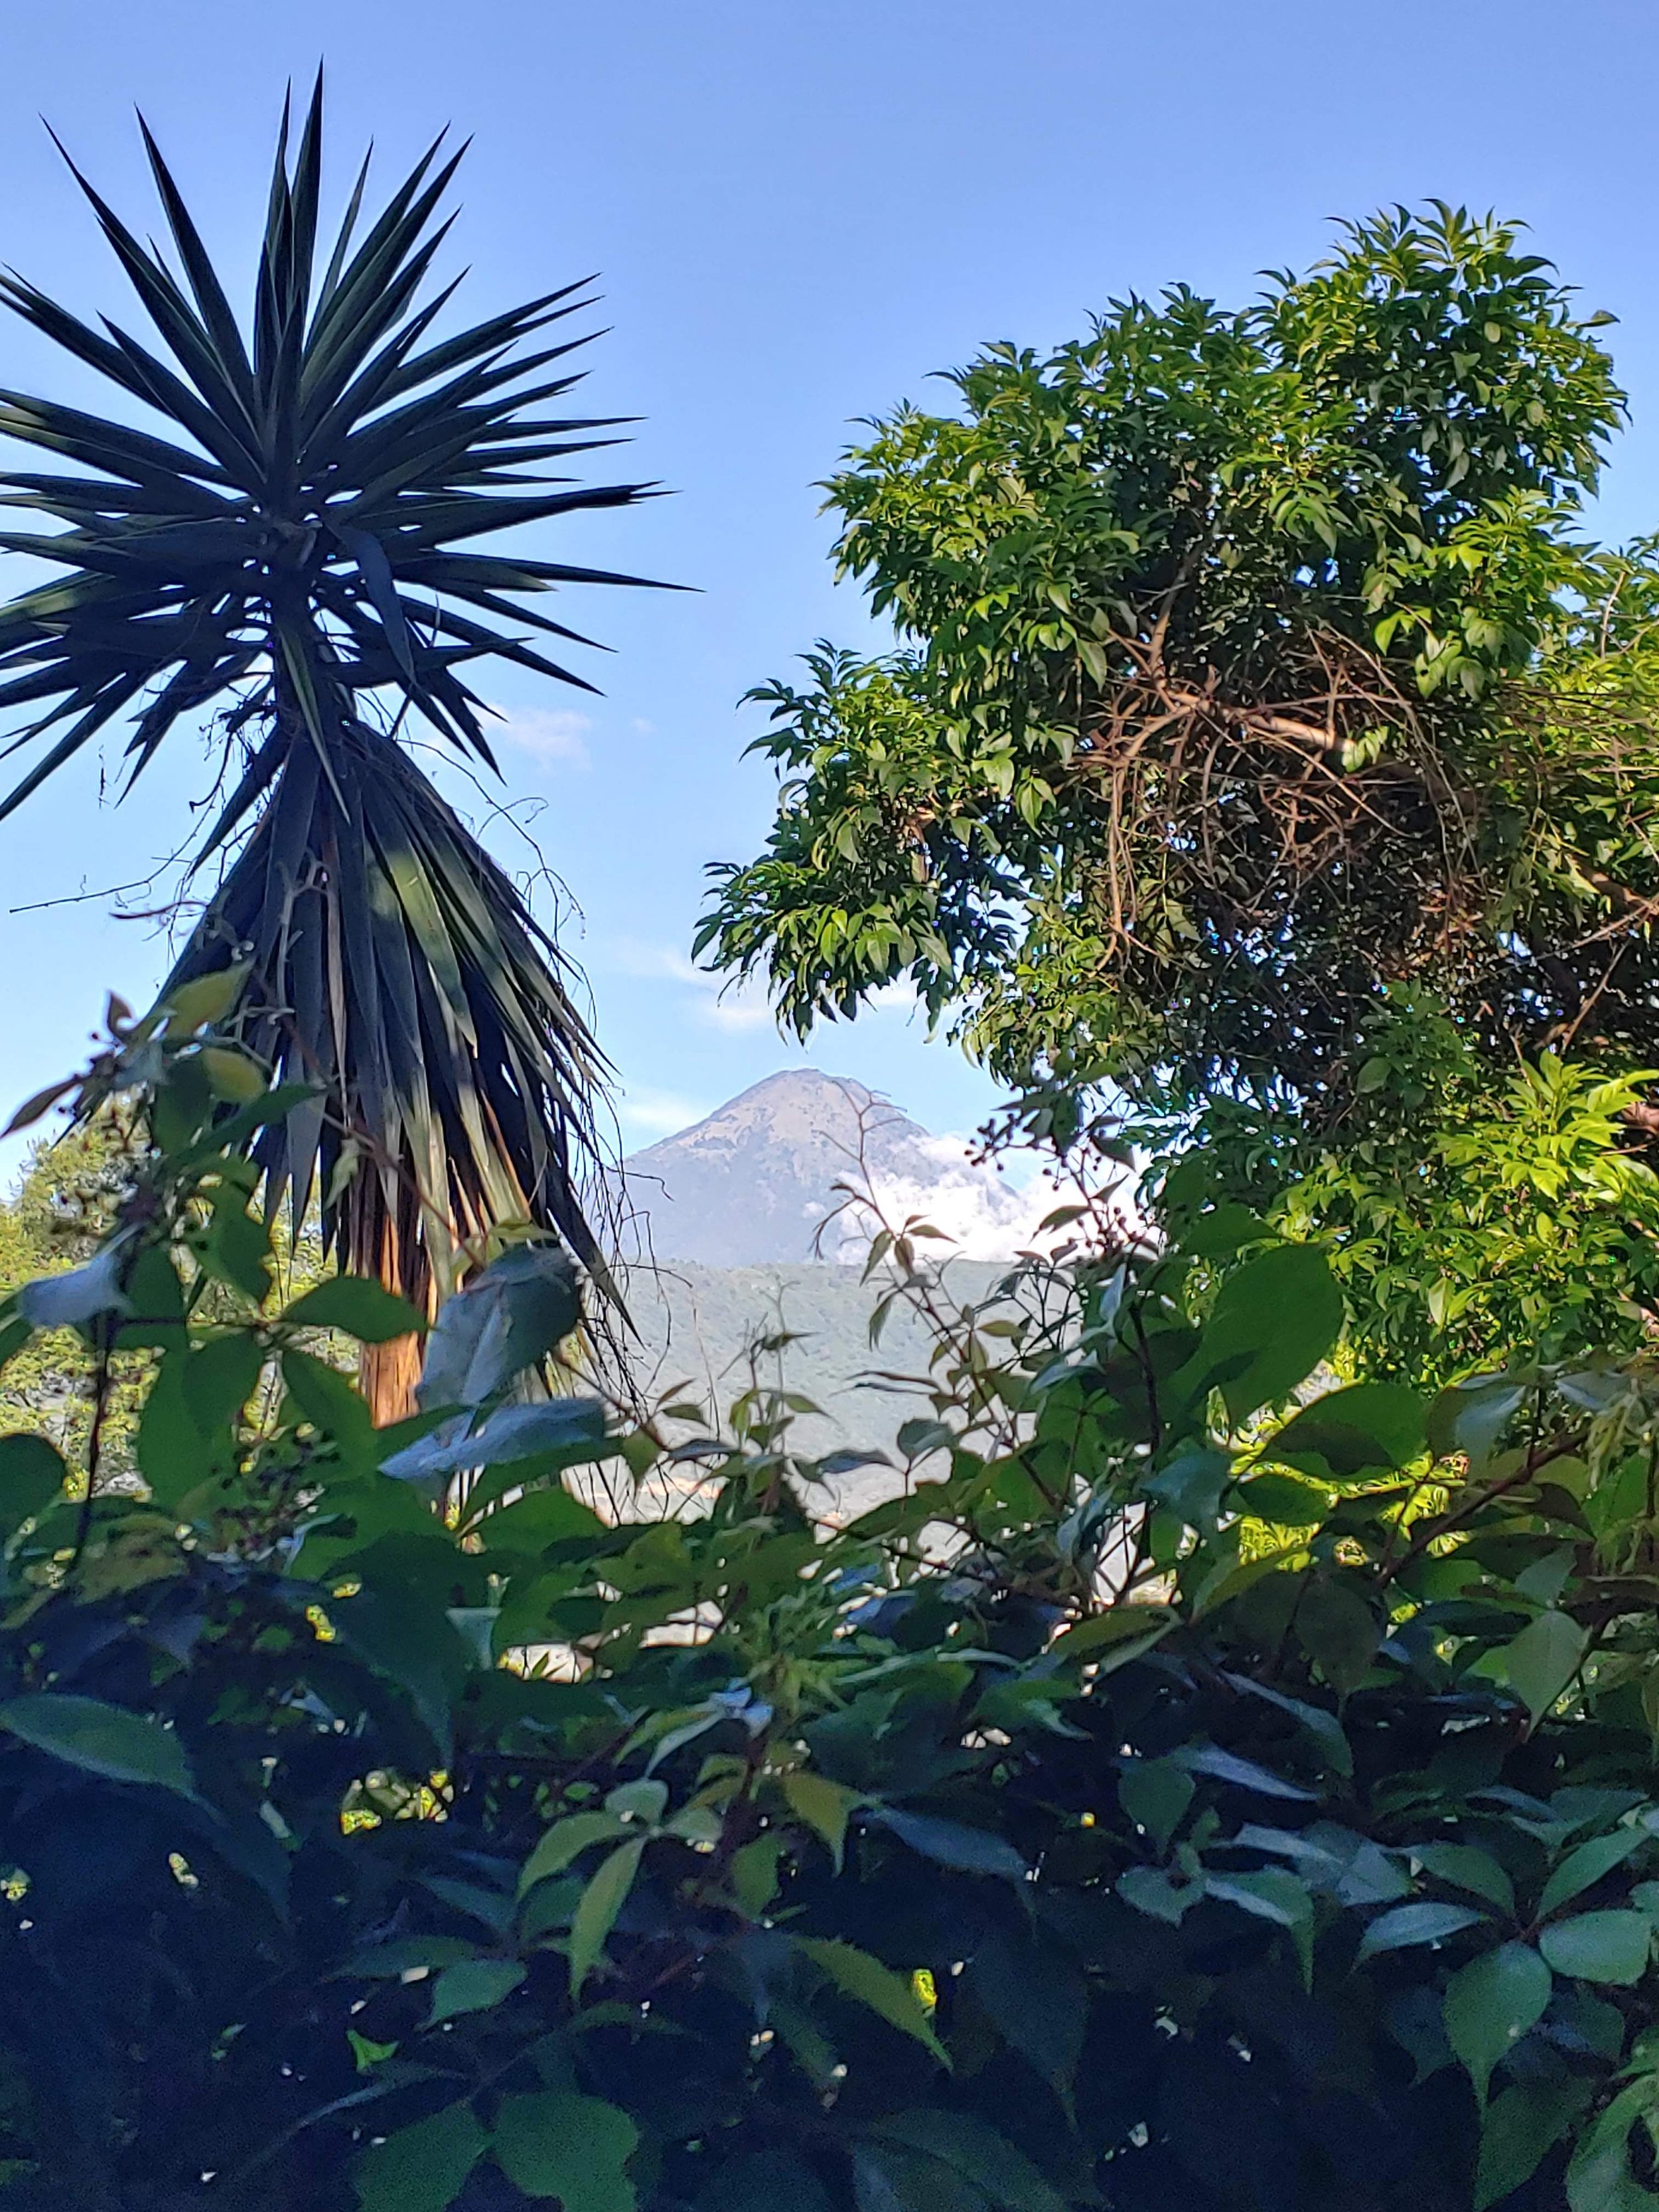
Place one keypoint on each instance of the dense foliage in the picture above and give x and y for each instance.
(1464, 1214)
(1159, 1799)
(1256, 687)
(291, 547)
(1206, 727)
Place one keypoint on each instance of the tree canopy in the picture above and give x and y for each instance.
(1250, 662)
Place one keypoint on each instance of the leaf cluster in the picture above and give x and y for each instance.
(1248, 661)
(1188, 1785)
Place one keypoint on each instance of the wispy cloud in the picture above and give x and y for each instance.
(720, 1004)
(657, 1113)
(545, 734)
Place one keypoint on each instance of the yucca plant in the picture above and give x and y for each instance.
(295, 562)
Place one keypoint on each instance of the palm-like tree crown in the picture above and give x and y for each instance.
(297, 556)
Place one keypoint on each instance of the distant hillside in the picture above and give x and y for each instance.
(697, 1324)
(728, 1211)
(753, 1184)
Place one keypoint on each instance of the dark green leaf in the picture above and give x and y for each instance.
(602, 1899)
(977, 2152)
(474, 1985)
(1518, 2128)
(31, 1476)
(422, 2167)
(857, 1975)
(100, 1739)
(1582, 1868)
(1543, 1659)
(1491, 2004)
(950, 1844)
(1365, 1428)
(556, 2143)
(362, 1308)
(1599, 1947)
(1407, 1925)
(1274, 1320)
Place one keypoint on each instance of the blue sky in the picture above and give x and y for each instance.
(799, 209)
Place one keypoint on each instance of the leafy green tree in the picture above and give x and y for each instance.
(1254, 675)
(66, 1204)
(297, 556)
(1465, 1215)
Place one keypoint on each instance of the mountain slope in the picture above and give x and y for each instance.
(755, 1184)
(696, 1327)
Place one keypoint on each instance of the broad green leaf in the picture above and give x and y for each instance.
(1281, 1501)
(1582, 1868)
(100, 1739)
(951, 1844)
(219, 1377)
(169, 1447)
(567, 2146)
(1600, 2176)
(1105, 1637)
(1366, 1428)
(1600, 1947)
(754, 1872)
(1543, 1659)
(1274, 1320)
(474, 1985)
(1491, 2004)
(1191, 1486)
(823, 1805)
(857, 1975)
(1407, 1925)
(1150, 1890)
(1241, 1773)
(1338, 1629)
(646, 1801)
(596, 1911)
(31, 1476)
(553, 2142)
(538, 1520)
(358, 1306)
(1038, 2000)
(404, 1954)
(326, 1400)
(1155, 1794)
(1518, 2128)
(424, 2167)
(519, 1309)
(1464, 1866)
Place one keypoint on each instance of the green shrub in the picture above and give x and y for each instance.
(1158, 1801)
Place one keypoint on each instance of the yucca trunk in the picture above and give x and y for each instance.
(395, 972)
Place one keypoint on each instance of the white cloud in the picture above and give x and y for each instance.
(722, 1005)
(984, 1214)
(657, 1113)
(546, 735)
